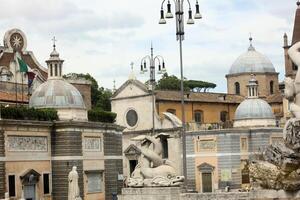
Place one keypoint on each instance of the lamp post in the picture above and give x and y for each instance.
(179, 16)
(153, 61)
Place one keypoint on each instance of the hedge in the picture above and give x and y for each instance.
(97, 115)
(25, 113)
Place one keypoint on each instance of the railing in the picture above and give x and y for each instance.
(195, 126)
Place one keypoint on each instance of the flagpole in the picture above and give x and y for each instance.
(22, 88)
(16, 84)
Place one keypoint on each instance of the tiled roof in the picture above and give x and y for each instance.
(199, 97)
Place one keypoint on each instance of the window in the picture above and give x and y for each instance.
(60, 69)
(12, 185)
(131, 118)
(51, 70)
(271, 87)
(224, 116)
(244, 144)
(165, 146)
(46, 183)
(237, 88)
(245, 172)
(94, 181)
(55, 69)
(198, 116)
(173, 111)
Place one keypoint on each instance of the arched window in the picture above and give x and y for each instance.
(271, 87)
(173, 111)
(55, 70)
(198, 116)
(237, 88)
(224, 116)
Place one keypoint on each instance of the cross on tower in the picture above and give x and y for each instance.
(250, 38)
(54, 40)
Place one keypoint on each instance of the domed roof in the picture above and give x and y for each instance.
(251, 62)
(254, 108)
(56, 93)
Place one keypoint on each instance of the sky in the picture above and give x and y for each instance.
(102, 37)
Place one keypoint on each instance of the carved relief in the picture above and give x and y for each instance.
(205, 145)
(27, 143)
(92, 144)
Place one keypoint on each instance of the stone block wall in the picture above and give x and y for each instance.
(2, 166)
(190, 149)
(113, 163)
(60, 172)
(66, 143)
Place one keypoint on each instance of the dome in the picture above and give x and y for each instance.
(56, 93)
(252, 62)
(254, 109)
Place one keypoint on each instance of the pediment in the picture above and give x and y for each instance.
(132, 150)
(30, 177)
(131, 88)
(206, 167)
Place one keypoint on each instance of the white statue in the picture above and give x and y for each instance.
(292, 87)
(73, 193)
(152, 170)
(6, 196)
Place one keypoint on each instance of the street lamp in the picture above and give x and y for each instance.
(179, 16)
(153, 61)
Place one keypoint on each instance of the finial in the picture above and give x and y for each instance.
(114, 86)
(54, 40)
(298, 3)
(251, 48)
(132, 64)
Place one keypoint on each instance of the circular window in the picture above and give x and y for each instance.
(131, 118)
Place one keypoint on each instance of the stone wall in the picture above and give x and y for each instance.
(113, 167)
(2, 165)
(190, 149)
(2, 179)
(60, 172)
(66, 143)
(2, 144)
(229, 145)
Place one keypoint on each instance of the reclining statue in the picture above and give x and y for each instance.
(152, 170)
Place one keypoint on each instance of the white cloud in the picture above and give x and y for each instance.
(102, 37)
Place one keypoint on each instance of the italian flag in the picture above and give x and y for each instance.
(22, 65)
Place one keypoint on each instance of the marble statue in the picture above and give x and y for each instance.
(152, 170)
(73, 193)
(279, 166)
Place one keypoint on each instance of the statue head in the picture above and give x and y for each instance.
(74, 168)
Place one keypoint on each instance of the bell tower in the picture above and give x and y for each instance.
(54, 63)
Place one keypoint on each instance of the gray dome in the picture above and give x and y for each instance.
(56, 93)
(254, 109)
(251, 62)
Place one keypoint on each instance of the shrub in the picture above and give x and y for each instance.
(97, 115)
(25, 113)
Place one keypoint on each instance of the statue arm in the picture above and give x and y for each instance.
(294, 53)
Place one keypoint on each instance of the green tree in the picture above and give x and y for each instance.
(173, 83)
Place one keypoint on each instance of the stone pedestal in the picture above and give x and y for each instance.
(274, 194)
(151, 193)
